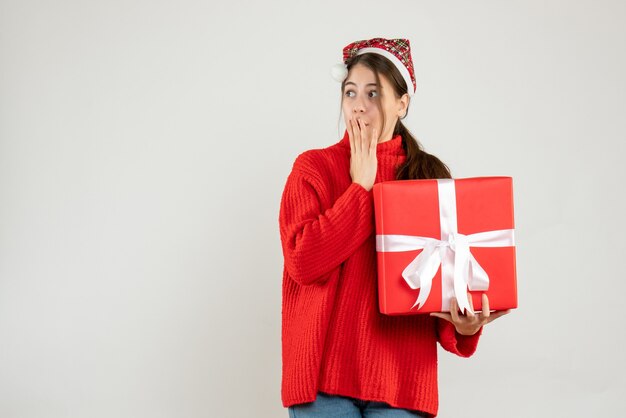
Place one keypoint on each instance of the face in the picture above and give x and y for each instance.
(360, 97)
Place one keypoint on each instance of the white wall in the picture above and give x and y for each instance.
(144, 147)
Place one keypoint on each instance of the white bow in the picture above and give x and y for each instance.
(467, 272)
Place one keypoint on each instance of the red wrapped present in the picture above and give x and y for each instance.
(438, 238)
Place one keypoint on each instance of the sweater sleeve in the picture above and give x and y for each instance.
(316, 241)
(452, 341)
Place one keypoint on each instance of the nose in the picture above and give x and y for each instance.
(359, 106)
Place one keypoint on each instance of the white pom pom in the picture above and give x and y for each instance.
(339, 71)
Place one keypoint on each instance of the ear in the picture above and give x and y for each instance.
(403, 105)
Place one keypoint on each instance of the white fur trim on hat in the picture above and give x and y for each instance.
(403, 70)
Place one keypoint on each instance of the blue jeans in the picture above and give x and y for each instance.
(334, 406)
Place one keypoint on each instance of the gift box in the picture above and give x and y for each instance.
(442, 238)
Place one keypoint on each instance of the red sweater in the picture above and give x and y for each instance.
(334, 339)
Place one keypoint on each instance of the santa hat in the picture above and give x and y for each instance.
(398, 51)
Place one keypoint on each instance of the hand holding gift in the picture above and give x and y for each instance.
(470, 323)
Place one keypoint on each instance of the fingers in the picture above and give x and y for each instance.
(454, 307)
(358, 146)
(368, 136)
(365, 140)
(362, 137)
(470, 311)
(350, 129)
(485, 309)
(469, 323)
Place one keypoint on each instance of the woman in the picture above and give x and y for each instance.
(341, 356)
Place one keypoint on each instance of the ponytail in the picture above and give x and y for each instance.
(419, 164)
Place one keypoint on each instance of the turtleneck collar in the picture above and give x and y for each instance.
(391, 147)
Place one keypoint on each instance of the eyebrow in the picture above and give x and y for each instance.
(369, 84)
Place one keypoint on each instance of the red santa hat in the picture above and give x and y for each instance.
(398, 51)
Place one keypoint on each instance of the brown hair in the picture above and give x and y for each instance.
(419, 164)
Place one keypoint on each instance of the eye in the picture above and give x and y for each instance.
(347, 93)
(374, 92)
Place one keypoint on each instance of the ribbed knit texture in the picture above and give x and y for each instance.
(334, 339)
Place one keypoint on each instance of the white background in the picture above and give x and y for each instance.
(144, 146)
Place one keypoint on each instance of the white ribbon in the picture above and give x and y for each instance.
(459, 268)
